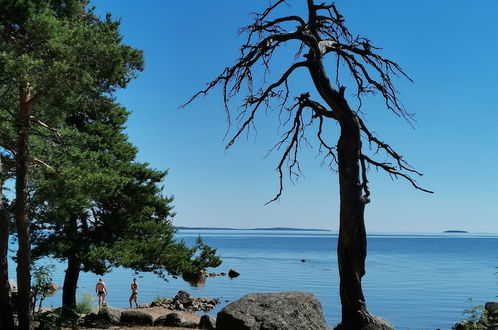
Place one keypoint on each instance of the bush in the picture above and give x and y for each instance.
(84, 305)
(474, 313)
(57, 319)
(42, 286)
(477, 318)
(160, 300)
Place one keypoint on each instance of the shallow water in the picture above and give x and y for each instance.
(415, 281)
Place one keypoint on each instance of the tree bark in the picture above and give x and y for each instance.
(21, 210)
(352, 243)
(6, 318)
(71, 282)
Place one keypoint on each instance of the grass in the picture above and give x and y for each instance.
(85, 304)
(160, 300)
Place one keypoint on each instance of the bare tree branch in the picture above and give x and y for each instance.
(402, 164)
(389, 168)
(257, 101)
(324, 33)
(42, 124)
(293, 145)
(35, 161)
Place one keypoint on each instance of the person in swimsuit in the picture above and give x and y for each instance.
(134, 293)
(101, 291)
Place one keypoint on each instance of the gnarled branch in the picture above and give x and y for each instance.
(322, 34)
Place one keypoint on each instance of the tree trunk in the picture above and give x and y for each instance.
(21, 212)
(352, 243)
(71, 282)
(6, 319)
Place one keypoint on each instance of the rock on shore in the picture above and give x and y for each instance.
(276, 311)
(184, 302)
(133, 316)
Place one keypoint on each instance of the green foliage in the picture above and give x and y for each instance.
(54, 56)
(42, 282)
(85, 304)
(473, 312)
(63, 49)
(477, 318)
(48, 320)
(57, 319)
(95, 202)
(100, 205)
(67, 56)
(160, 300)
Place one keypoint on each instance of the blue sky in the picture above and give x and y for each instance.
(448, 47)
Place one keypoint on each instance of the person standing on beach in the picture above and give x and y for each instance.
(101, 291)
(134, 293)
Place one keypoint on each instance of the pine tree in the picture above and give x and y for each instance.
(100, 208)
(52, 53)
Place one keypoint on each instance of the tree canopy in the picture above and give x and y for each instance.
(102, 208)
(53, 54)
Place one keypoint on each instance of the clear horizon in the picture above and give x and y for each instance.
(374, 232)
(452, 97)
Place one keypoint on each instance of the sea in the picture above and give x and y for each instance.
(416, 281)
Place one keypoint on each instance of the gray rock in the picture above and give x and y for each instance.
(207, 322)
(184, 298)
(491, 306)
(275, 311)
(136, 317)
(169, 320)
(183, 301)
(112, 315)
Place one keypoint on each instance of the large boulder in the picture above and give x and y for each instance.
(275, 311)
(169, 320)
(112, 315)
(136, 317)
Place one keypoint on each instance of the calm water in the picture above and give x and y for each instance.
(415, 281)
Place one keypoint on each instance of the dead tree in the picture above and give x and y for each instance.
(321, 34)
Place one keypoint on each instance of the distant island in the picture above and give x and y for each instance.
(455, 231)
(272, 228)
